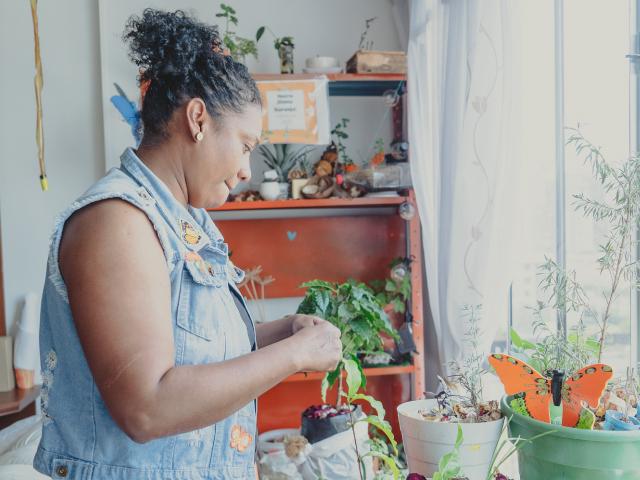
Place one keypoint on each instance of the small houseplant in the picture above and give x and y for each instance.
(353, 308)
(284, 46)
(283, 158)
(569, 452)
(430, 426)
(238, 47)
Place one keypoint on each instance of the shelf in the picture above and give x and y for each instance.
(368, 372)
(311, 203)
(346, 84)
(17, 400)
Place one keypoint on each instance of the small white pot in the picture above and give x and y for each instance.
(426, 442)
(270, 190)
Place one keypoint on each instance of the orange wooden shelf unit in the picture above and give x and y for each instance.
(334, 239)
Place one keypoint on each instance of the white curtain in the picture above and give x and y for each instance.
(459, 119)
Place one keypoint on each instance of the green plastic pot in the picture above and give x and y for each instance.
(572, 454)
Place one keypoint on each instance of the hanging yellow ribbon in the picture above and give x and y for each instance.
(37, 82)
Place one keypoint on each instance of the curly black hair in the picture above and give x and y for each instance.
(181, 58)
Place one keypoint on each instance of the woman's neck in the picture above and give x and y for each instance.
(163, 159)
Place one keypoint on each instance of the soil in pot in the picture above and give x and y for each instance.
(425, 442)
(324, 421)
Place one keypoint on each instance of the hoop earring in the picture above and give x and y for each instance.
(199, 136)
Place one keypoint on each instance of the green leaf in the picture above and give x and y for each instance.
(592, 345)
(385, 428)
(375, 404)
(329, 380)
(259, 33)
(398, 305)
(354, 379)
(363, 381)
(324, 387)
(459, 438)
(520, 342)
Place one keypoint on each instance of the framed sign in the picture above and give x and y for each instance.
(295, 111)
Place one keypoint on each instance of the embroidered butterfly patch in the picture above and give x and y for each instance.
(189, 233)
(533, 390)
(240, 438)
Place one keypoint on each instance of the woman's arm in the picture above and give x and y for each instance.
(119, 293)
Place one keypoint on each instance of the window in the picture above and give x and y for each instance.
(597, 95)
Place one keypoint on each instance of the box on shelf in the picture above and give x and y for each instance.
(374, 61)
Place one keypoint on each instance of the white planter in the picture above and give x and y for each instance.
(426, 442)
(270, 190)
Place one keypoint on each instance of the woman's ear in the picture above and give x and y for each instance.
(196, 114)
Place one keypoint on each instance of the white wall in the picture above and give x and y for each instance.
(74, 149)
(73, 100)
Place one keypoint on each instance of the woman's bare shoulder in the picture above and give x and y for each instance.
(105, 228)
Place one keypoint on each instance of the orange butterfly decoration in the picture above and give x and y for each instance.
(583, 387)
(240, 439)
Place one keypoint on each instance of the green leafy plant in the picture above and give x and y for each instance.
(355, 381)
(340, 132)
(468, 372)
(619, 212)
(239, 47)
(283, 157)
(449, 465)
(354, 309)
(396, 291)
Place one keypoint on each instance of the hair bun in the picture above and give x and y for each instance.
(168, 45)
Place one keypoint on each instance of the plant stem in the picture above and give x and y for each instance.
(355, 440)
(614, 286)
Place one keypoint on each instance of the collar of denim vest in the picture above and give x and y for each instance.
(176, 214)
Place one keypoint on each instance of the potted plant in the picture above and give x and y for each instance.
(574, 453)
(353, 308)
(430, 426)
(340, 133)
(282, 158)
(237, 46)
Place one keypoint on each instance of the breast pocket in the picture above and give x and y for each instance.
(201, 312)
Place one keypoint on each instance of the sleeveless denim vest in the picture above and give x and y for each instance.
(80, 440)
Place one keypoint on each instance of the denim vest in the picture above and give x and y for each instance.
(80, 440)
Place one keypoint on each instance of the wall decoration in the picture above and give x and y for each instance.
(38, 83)
(295, 111)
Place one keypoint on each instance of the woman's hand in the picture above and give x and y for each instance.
(298, 322)
(317, 345)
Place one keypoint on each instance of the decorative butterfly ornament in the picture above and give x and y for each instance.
(533, 392)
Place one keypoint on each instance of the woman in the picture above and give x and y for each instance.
(150, 362)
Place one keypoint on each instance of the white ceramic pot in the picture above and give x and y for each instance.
(270, 190)
(426, 442)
